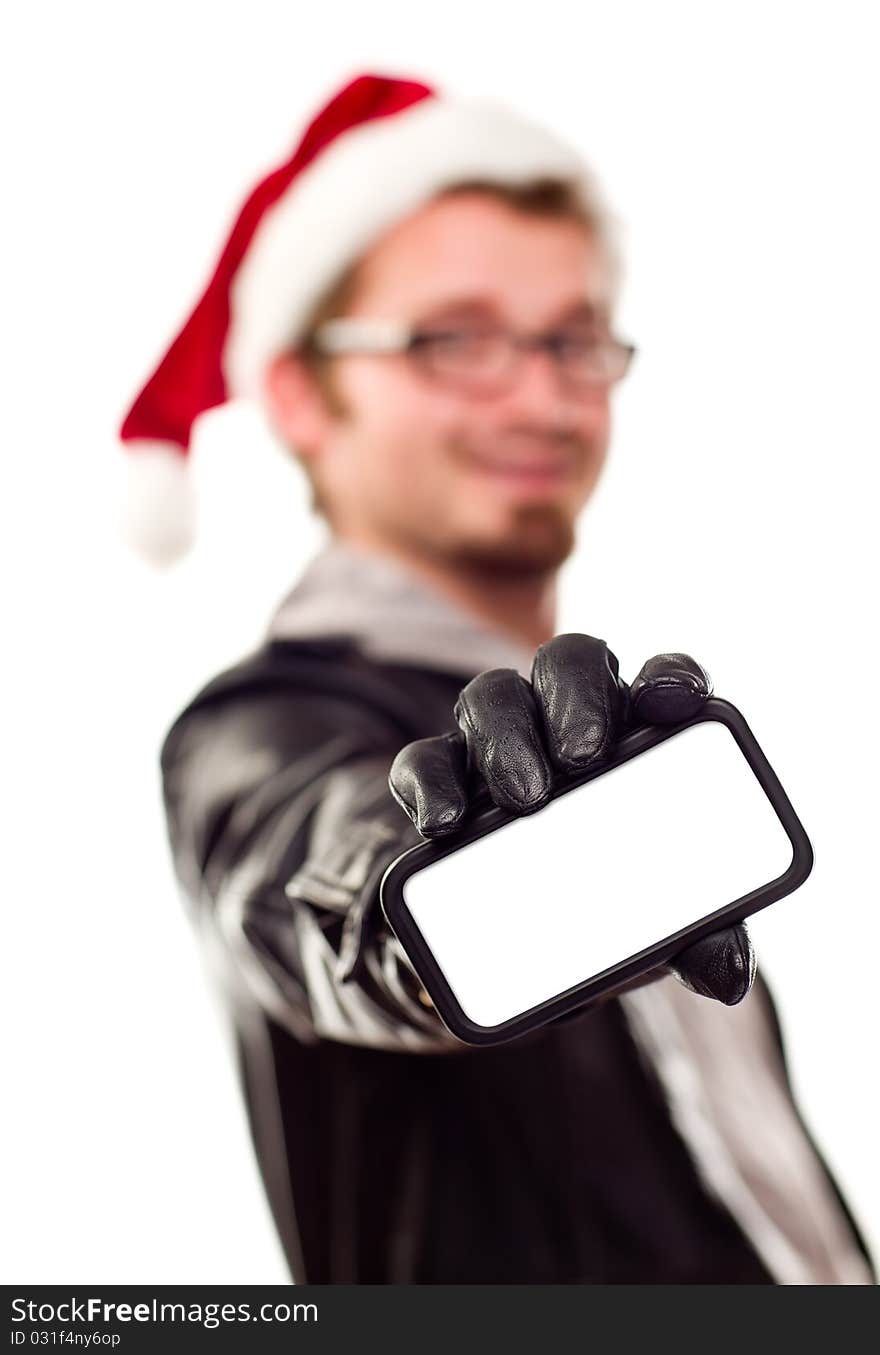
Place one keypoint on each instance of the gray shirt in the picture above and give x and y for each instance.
(719, 1067)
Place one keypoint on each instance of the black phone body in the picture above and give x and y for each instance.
(596, 890)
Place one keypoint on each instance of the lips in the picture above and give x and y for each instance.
(548, 467)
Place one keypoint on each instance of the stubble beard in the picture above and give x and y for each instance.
(540, 540)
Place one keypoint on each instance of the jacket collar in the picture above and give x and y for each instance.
(393, 615)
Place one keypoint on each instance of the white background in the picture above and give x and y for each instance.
(735, 521)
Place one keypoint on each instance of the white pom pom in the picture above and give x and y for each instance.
(158, 517)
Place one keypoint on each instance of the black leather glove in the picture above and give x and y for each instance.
(515, 736)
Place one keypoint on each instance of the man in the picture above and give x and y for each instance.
(448, 392)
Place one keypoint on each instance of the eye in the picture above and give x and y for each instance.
(573, 342)
(469, 347)
(454, 340)
(592, 357)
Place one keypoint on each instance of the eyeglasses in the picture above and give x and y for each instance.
(484, 359)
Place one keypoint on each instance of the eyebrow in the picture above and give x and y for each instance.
(586, 310)
(581, 309)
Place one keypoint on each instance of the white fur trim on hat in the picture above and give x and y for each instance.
(158, 510)
(369, 178)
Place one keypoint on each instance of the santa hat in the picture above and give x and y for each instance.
(376, 152)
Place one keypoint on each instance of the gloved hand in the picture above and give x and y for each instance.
(515, 737)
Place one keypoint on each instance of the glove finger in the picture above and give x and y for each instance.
(668, 688)
(721, 966)
(580, 698)
(428, 779)
(498, 716)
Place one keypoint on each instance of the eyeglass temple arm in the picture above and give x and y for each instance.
(348, 334)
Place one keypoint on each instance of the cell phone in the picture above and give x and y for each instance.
(678, 831)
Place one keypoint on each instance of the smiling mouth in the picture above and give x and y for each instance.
(551, 466)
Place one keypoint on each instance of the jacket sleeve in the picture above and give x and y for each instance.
(281, 826)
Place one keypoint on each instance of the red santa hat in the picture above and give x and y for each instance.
(378, 150)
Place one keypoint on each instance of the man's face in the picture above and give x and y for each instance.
(494, 481)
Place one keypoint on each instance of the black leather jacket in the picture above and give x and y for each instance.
(390, 1152)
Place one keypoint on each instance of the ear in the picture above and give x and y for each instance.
(295, 404)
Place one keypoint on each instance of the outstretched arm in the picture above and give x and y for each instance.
(281, 826)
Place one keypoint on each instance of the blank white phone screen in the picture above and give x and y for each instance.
(556, 897)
